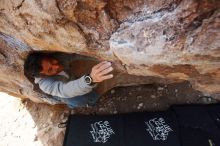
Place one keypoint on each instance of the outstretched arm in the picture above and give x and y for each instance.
(54, 87)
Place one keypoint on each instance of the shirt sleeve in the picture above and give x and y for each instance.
(70, 89)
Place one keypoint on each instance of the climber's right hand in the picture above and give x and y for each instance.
(101, 72)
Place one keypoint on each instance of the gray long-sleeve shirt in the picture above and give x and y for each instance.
(63, 89)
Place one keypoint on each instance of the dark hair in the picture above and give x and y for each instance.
(32, 65)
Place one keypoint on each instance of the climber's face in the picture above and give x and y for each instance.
(50, 67)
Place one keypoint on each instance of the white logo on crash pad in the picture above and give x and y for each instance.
(101, 131)
(158, 129)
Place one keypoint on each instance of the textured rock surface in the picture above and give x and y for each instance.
(172, 39)
(181, 42)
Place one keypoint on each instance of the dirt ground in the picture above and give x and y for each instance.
(146, 98)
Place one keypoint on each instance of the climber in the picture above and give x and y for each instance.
(51, 76)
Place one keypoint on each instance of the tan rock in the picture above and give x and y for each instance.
(167, 41)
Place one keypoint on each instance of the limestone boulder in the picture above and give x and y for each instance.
(165, 41)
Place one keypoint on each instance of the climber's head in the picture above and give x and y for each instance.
(42, 64)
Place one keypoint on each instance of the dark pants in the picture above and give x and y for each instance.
(88, 99)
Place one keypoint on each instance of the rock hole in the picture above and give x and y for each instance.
(2, 57)
(76, 66)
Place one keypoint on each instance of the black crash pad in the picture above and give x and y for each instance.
(187, 125)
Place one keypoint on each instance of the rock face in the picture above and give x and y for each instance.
(174, 40)
(181, 42)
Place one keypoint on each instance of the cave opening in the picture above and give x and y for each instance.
(76, 65)
(128, 92)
